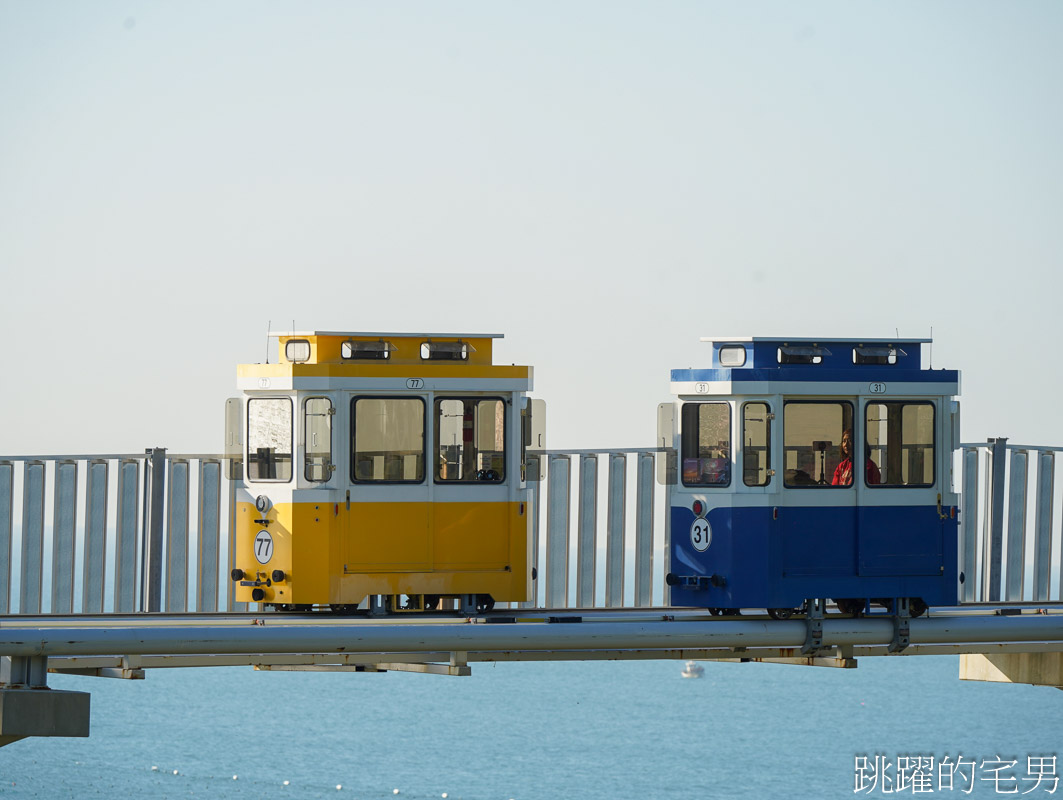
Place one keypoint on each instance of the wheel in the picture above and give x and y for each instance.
(917, 607)
(716, 612)
(849, 605)
(780, 613)
(343, 608)
(431, 602)
(484, 602)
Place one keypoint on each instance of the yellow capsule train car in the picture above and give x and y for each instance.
(388, 468)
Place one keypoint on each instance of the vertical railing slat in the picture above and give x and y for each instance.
(7, 509)
(32, 537)
(234, 468)
(207, 561)
(64, 530)
(125, 545)
(1016, 525)
(614, 542)
(1042, 546)
(969, 524)
(993, 555)
(94, 570)
(557, 531)
(177, 538)
(644, 531)
(587, 532)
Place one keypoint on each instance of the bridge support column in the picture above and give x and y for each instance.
(1039, 669)
(29, 708)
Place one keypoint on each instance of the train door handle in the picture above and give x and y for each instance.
(348, 499)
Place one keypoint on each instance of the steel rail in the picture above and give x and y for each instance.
(465, 636)
(599, 614)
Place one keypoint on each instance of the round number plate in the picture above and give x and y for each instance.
(700, 535)
(263, 547)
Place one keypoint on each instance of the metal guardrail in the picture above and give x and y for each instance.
(152, 532)
(114, 533)
(1014, 553)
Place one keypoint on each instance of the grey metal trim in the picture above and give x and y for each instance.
(587, 529)
(95, 566)
(177, 537)
(7, 509)
(557, 530)
(33, 484)
(209, 533)
(64, 530)
(1042, 543)
(534, 463)
(230, 602)
(644, 531)
(614, 535)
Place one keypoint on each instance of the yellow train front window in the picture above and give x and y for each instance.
(387, 443)
(470, 440)
(317, 464)
(269, 439)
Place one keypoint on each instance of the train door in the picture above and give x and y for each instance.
(470, 482)
(387, 508)
(899, 526)
(817, 520)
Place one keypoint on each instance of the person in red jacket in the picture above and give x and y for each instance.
(843, 473)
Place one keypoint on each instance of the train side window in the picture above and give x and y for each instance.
(387, 440)
(470, 440)
(269, 439)
(900, 439)
(812, 444)
(706, 444)
(756, 444)
(317, 461)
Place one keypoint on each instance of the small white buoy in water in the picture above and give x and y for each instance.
(154, 768)
(175, 772)
(394, 791)
(339, 786)
(286, 783)
(234, 777)
(444, 795)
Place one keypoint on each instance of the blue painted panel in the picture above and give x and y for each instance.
(817, 373)
(900, 540)
(761, 562)
(818, 541)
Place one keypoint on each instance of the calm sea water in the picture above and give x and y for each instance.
(534, 730)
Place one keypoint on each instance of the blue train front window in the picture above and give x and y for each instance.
(706, 444)
(900, 438)
(818, 444)
(756, 444)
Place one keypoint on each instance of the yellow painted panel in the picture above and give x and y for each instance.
(480, 548)
(453, 370)
(387, 536)
(470, 535)
(303, 536)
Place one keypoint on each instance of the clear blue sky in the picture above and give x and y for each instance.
(603, 182)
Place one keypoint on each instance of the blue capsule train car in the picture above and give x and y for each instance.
(813, 469)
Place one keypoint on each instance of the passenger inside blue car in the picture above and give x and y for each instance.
(843, 473)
